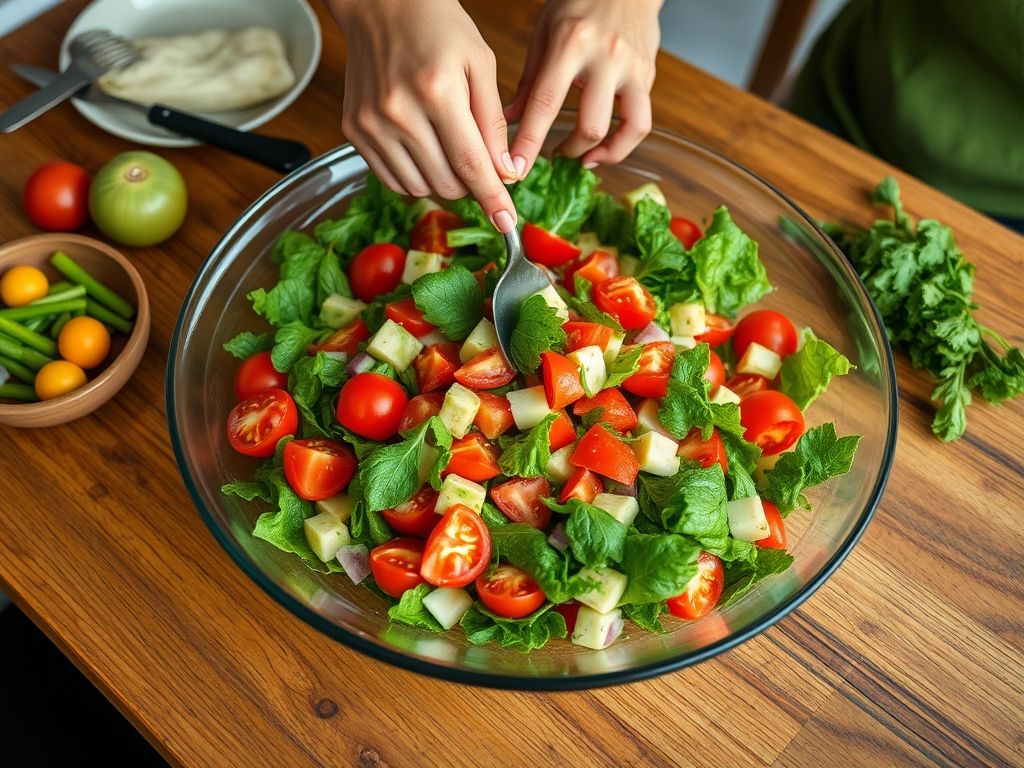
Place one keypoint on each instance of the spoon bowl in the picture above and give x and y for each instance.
(521, 279)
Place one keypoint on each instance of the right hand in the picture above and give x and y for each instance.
(421, 102)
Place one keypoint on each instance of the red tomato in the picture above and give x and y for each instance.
(376, 270)
(562, 432)
(435, 366)
(457, 550)
(598, 266)
(419, 409)
(543, 247)
(715, 373)
(625, 299)
(487, 370)
(704, 452)
(57, 197)
(745, 384)
(494, 416)
(371, 405)
(702, 592)
(256, 374)
(561, 380)
(395, 565)
(318, 469)
(258, 422)
(771, 420)
(509, 591)
(415, 517)
(481, 278)
(431, 232)
(489, 308)
(519, 499)
(719, 331)
(408, 315)
(474, 458)
(776, 539)
(579, 334)
(686, 231)
(569, 612)
(651, 379)
(346, 339)
(599, 451)
(769, 329)
(615, 410)
(583, 485)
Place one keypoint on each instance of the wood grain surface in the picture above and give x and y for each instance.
(910, 655)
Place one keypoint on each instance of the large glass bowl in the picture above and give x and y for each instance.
(815, 286)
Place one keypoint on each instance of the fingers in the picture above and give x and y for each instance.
(595, 114)
(545, 100)
(485, 104)
(635, 111)
(380, 169)
(426, 150)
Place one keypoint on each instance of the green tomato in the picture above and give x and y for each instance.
(138, 199)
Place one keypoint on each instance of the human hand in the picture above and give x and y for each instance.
(605, 47)
(421, 102)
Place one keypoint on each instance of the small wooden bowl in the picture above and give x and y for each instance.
(112, 269)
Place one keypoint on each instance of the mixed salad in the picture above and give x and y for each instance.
(635, 457)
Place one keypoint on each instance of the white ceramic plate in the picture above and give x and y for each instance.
(293, 19)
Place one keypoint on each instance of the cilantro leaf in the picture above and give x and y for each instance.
(246, 344)
(527, 455)
(410, 610)
(819, 456)
(744, 575)
(390, 474)
(807, 372)
(658, 566)
(538, 329)
(625, 364)
(450, 299)
(527, 634)
(291, 342)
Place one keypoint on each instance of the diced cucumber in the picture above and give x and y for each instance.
(593, 371)
(687, 319)
(597, 630)
(746, 519)
(684, 342)
(448, 605)
(647, 418)
(420, 263)
(459, 490)
(608, 591)
(480, 339)
(428, 455)
(394, 345)
(529, 406)
(422, 207)
(614, 347)
(550, 295)
(649, 191)
(459, 409)
(765, 464)
(325, 534)
(759, 360)
(340, 506)
(338, 310)
(656, 454)
(724, 395)
(587, 242)
(628, 265)
(622, 508)
(559, 468)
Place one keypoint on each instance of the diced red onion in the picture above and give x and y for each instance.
(651, 332)
(355, 559)
(614, 630)
(359, 364)
(626, 490)
(558, 539)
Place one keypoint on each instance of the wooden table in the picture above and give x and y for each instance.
(910, 654)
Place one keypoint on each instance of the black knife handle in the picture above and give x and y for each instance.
(280, 154)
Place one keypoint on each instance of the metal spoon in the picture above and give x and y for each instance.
(520, 280)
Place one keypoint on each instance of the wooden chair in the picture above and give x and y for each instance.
(779, 44)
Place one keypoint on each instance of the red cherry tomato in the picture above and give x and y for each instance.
(395, 565)
(583, 485)
(598, 266)
(435, 366)
(509, 591)
(616, 412)
(519, 499)
(719, 331)
(258, 422)
(600, 452)
(415, 517)
(771, 420)
(487, 370)
(776, 539)
(458, 549)
(543, 247)
(686, 231)
(702, 592)
(376, 270)
(408, 315)
(625, 299)
(57, 197)
(651, 379)
(474, 458)
(744, 384)
(768, 328)
(346, 339)
(371, 405)
(256, 374)
(431, 232)
(419, 409)
(579, 334)
(562, 432)
(318, 469)
(569, 612)
(704, 452)
(562, 383)
(494, 416)
(715, 373)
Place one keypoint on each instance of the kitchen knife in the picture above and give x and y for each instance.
(282, 155)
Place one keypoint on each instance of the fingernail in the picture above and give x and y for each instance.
(503, 221)
(519, 162)
(591, 165)
(506, 160)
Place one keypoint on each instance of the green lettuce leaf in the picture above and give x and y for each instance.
(819, 456)
(527, 455)
(658, 566)
(246, 344)
(646, 615)
(291, 343)
(528, 548)
(537, 330)
(625, 364)
(743, 575)
(527, 634)
(665, 268)
(450, 299)
(409, 609)
(729, 274)
(390, 474)
(595, 537)
(807, 372)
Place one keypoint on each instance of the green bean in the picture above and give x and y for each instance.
(41, 310)
(18, 392)
(39, 324)
(29, 338)
(16, 351)
(60, 285)
(58, 324)
(107, 317)
(93, 287)
(19, 370)
(71, 292)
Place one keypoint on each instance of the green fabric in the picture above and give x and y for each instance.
(935, 87)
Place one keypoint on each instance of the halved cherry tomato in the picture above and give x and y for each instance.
(371, 405)
(519, 499)
(543, 247)
(599, 451)
(776, 539)
(616, 412)
(719, 330)
(583, 485)
(686, 231)
(376, 270)
(579, 334)
(715, 373)
(409, 316)
(346, 339)
(598, 266)
(396, 564)
(474, 458)
(771, 420)
(625, 299)
(509, 591)
(561, 380)
(431, 232)
(258, 422)
(415, 517)
(419, 409)
(494, 417)
(651, 379)
(745, 384)
(562, 432)
(458, 549)
(487, 370)
(569, 612)
(768, 328)
(436, 365)
(702, 592)
(257, 373)
(704, 452)
(316, 468)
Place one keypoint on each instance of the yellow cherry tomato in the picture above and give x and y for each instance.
(22, 285)
(58, 378)
(84, 341)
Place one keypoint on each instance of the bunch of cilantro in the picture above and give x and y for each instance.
(922, 286)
